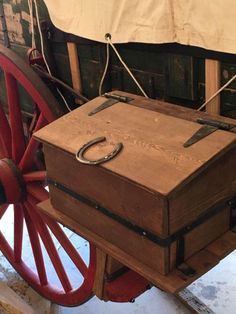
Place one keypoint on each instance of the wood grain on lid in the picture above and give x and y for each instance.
(153, 154)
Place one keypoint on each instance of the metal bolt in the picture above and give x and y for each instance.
(108, 36)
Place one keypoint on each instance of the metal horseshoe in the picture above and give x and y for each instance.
(80, 154)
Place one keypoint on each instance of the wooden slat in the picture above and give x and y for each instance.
(223, 246)
(113, 265)
(98, 286)
(212, 78)
(173, 110)
(174, 281)
(194, 304)
(74, 66)
(170, 109)
(12, 303)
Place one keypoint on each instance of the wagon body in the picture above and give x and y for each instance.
(172, 72)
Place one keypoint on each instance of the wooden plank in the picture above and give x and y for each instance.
(101, 260)
(212, 79)
(223, 246)
(181, 78)
(12, 303)
(107, 268)
(113, 265)
(174, 281)
(194, 304)
(173, 110)
(74, 66)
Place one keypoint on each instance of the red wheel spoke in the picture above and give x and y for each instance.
(58, 232)
(23, 168)
(15, 116)
(5, 134)
(37, 191)
(5, 247)
(28, 158)
(50, 247)
(18, 231)
(3, 209)
(3, 151)
(36, 248)
(35, 176)
(66, 244)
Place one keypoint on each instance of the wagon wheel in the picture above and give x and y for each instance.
(22, 185)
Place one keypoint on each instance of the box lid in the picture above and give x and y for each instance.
(153, 155)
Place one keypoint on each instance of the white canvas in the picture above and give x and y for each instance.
(208, 24)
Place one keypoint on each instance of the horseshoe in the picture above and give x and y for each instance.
(80, 154)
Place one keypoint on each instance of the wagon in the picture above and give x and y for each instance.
(71, 67)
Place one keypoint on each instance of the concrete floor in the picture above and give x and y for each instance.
(217, 289)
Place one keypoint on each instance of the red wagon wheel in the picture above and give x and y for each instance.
(22, 185)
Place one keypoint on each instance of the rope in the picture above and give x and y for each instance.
(30, 5)
(43, 52)
(105, 70)
(217, 93)
(109, 42)
(41, 37)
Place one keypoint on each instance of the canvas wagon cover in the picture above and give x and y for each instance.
(208, 23)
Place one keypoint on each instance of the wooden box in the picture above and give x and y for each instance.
(157, 201)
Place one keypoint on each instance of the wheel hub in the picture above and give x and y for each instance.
(12, 184)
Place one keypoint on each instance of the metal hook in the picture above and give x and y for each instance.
(80, 154)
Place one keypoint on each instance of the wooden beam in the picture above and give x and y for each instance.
(12, 303)
(212, 79)
(101, 259)
(194, 304)
(74, 66)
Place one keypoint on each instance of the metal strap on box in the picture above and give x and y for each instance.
(163, 242)
(180, 246)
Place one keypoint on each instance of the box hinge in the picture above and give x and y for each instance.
(209, 126)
